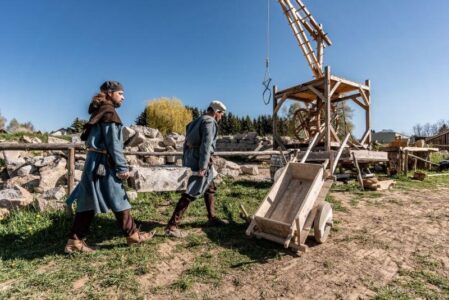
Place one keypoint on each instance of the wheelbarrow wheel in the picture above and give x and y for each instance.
(323, 222)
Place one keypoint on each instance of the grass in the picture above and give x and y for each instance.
(406, 183)
(33, 264)
(19, 135)
(423, 281)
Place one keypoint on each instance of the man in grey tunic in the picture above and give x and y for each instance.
(199, 147)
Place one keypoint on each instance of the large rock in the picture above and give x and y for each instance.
(28, 182)
(40, 161)
(30, 140)
(147, 131)
(14, 160)
(226, 168)
(15, 197)
(56, 193)
(146, 146)
(51, 174)
(46, 205)
(76, 139)
(136, 140)
(155, 160)
(250, 169)
(24, 171)
(173, 139)
(55, 140)
(4, 213)
(160, 179)
(127, 133)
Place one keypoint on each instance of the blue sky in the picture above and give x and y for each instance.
(54, 55)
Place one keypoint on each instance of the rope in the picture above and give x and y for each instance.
(266, 95)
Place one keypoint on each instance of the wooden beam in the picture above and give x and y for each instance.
(317, 92)
(349, 82)
(364, 96)
(327, 100)
(336, 85)
(311, 145)
(340, 151)
(357, 101)
(359, 173)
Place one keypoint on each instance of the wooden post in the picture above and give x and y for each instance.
(327, 88)
(406, 162)
(368, 116)
(71, 178)
(275, 117)
(359, 173)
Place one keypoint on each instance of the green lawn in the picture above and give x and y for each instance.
(33, 264)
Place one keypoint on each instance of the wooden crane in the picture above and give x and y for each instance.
(301, 20)
(320, 111)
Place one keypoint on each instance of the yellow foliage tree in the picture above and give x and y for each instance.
(168, 115)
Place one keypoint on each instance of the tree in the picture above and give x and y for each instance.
(2, 122)
(142, 119)
(168, 115)
(78, 125)
(13, 125)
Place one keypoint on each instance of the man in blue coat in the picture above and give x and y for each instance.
(101, 188)
(199, 147)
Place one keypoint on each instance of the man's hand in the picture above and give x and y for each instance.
(202, 172)
(123, 176)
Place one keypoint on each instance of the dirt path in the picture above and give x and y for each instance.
(375, 238)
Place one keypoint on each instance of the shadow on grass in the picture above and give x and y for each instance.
(32, 244)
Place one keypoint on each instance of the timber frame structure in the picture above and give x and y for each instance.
(327, 91)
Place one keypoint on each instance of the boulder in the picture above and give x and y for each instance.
(170, 141)
(136, 140)
(4, 213)
(24, 171)
(132, 195)
(155, 160)
(76, 139)
(79, 165)
(15, 197)
(147, 131)
(51, 174)
(132, 160)
(14, 160)
(28, 182)
(127, 133)
(40, 161)
(250, 169)
(45, 205)
(146, 147)
(56, 193)
(226, 168)
(78, 175)
(55, 140)
(160, 179)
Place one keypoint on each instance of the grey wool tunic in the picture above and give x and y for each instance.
(199, 145)
(102, 193)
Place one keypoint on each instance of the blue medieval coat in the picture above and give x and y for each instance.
(102, 193)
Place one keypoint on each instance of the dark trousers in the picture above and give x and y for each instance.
(82, 221)
(185, 200)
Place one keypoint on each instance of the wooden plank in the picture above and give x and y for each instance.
(336, 85)
(349, 82)
(359, 173)
(311, 145)
(340, 151)
(318, 93)
(41, 146)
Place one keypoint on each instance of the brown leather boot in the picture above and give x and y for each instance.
(209, 200)
(139, 237)
(77, 246)
(172, 226)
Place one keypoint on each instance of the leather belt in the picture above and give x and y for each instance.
(96, 150)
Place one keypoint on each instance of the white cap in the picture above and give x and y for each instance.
(217, 106)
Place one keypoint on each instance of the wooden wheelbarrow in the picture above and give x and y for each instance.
(296, 204)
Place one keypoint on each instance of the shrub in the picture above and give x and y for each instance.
(168, 115)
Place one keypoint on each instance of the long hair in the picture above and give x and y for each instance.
(100, 99)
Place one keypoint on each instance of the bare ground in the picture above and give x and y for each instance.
(373, 240)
